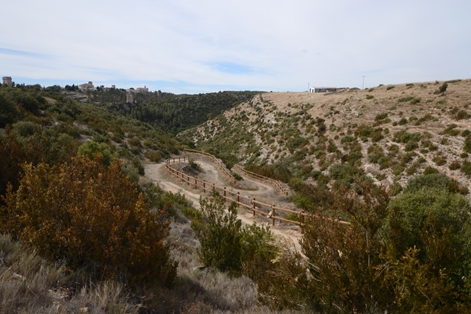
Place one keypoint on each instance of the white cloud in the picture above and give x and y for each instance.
(195, 45)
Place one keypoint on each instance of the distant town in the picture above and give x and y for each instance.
(7, 80)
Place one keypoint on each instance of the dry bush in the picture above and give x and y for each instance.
(285, 285)
(89, 215)
(410, 255)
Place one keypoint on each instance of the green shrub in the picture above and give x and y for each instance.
(227, 246)
(131, 171)
(434, 181)
(24, 99)
(381, 116)
(465, 133)
(428, 232)
(219, 234)
(396, 189)
(415, 101)
(136, 162)
(403, 136)
(462, 114)
(451, 130)
(191, 213)
(237, 176)
(25, 128)
(340, 258)
(258, 251)
(376, 136)
(404, 99)
(296, 142)
(430, 170)
(134, 142)
(466, 167)
(153, 156)
(453, 81)
(410, 255)
(194, 165)
(296, 183)
(347, 139)
(8, 112)
(439, 160)
(375, 152)
(286, 283)
(467, 144)
(442, 88)
(293, 217)
(402, 121)
(397, 169)
(364, 130)
(411, 145)
(90, 148)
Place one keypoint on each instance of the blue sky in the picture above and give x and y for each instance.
(184, 46)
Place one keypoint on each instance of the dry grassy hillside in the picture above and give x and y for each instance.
(387, 133)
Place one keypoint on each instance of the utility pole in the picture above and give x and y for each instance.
(363, 85)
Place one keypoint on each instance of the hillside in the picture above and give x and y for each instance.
(170, 112)
(387, 133)
(86, 232)
(83, 231)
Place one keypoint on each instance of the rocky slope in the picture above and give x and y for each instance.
(387, 133)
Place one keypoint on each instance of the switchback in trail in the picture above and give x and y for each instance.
(248, 187)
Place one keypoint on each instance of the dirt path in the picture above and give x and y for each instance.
(259, 190)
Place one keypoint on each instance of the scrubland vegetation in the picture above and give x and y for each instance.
(83, 231)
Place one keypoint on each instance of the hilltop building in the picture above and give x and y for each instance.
(7, 80)
(138, 90)
(86, 86)
(142, 89)
(326, 89)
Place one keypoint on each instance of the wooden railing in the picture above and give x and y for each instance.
(275, 183)
(257, 207)
(219, 164)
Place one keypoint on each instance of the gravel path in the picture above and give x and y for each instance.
(259, 190)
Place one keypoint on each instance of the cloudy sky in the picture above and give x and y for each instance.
(196, 46)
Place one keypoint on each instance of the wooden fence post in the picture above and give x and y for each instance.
(238, 198)
(196, 183)
(302, 218)
(273, 215)
(253, 203)
(204, 186)
(224, 192)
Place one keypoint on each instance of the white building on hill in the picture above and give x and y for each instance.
(326, 89)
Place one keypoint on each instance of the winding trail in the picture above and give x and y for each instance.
(255, 189)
